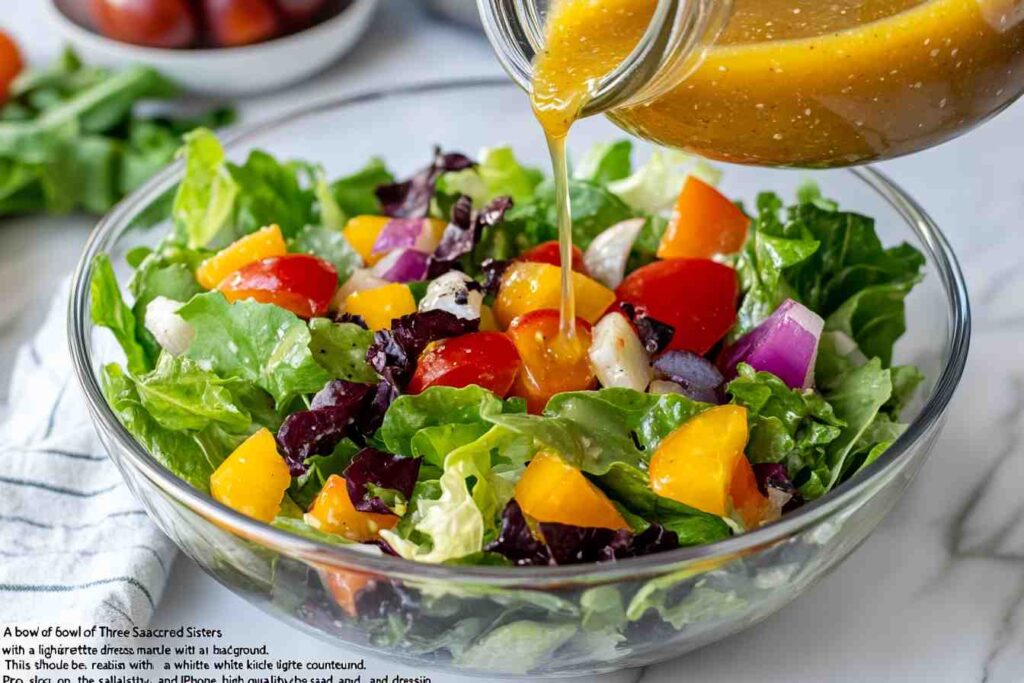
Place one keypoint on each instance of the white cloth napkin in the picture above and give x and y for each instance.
(75, 546)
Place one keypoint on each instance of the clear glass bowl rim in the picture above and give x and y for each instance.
(354, 557)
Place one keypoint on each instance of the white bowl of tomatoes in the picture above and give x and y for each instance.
(216, 47)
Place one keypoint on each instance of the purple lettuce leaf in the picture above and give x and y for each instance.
(334, 411)
(464, 231)
(515, 540)
(772, 476)
(567, 544)
(698, 376)
(411, 198)
(654, 334)
(383, 470)
(394, 352)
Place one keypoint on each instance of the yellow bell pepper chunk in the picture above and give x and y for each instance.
(255, 247)
(380, 305)
(552, 491)
(697, 462)
(531, 286)
(333, 513)
(253, 479)
(361, 233)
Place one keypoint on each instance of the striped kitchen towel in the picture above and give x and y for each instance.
(75, 546)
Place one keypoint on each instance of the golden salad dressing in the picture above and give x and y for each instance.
(811, 83)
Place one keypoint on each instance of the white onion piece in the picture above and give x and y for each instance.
(451, 292)
(786, 345)
(169, 329)
(606, 256)
(663, 386)
(407, 233)
(617, 356)
(402, 265)
(361, 280)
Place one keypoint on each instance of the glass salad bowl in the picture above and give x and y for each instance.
(494, 621)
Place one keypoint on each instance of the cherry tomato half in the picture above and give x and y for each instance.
(301, 283)
(551, 363)
(11, 63)
(695, 296)
(154, 23)
(487, 359)
(548, 252)
(241, 22)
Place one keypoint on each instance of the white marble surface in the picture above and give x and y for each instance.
(937, 593)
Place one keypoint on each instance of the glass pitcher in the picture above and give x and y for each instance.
(812, 83)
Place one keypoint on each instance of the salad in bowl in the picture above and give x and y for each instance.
(378, 361)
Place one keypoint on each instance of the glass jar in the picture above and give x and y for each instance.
(786, 82)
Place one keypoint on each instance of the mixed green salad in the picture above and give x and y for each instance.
(379, 361)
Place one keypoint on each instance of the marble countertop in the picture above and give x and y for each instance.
(937, 593)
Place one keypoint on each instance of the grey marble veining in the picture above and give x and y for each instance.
(936, 594)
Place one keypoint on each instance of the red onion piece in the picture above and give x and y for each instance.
(406, 233)
(786, 345)
(402, 265)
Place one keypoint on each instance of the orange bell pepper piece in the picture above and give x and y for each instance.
(254, 247)
(530, 286)
(333, 513)
(551, 362)
(704, 223)
(253, 479)
(697, 464)
(552, 491)
(747, 501)
(380, 305)
(344, 587)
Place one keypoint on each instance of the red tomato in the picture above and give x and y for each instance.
(155, 23)
(487, 359)
(695, 296)
(551, 363)
(548, 252)
(10, 63)
(241, 22)
(301, 283)
(298, 12)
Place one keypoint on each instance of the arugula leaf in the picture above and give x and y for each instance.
(180, 395)
(629, 486)
(340, 349)
(109, 310)
(331, 246)
(355, 193)
(261, 343)
(787, 426)
(206, 196)
(191, 456)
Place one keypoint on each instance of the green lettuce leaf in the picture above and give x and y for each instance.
(656, 185)
(108, 309)
(191, 456)
(520, 646)
(788, 426)
(605, 162)
(206, 196)
(497, 173)
(261, 343)
(180, 395)
(271, 192)
(354, 193)
(701, 603)
(436, 406)
(305, 487)
(340, 349)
